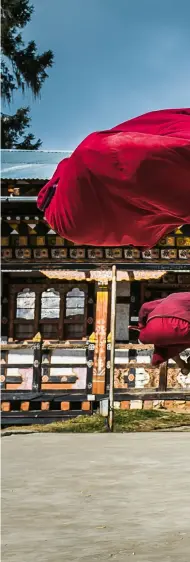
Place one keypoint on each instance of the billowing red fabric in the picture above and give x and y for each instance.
(127, 185)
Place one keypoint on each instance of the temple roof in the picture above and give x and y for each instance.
(30, 164)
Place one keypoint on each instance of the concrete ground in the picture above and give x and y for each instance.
(87, 498)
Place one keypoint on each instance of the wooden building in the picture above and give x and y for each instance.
(56, 308)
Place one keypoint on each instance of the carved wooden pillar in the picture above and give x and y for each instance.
(36, 383)
(99, 370)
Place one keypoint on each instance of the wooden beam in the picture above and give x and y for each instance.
(112, 353)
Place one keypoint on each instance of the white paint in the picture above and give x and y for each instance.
(21, 356)
(141, 378)
(143, 358)
(104, 408)
(116, 405)
(79, 372)
(136, 405)
(58, 356)
(121, 360)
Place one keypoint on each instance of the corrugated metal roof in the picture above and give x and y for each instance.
(30, 164)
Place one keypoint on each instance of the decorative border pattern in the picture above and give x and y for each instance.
(84, 254)
(31, 238)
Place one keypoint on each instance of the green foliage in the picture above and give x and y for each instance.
(21, 67)
(13, 128)
(124, 421)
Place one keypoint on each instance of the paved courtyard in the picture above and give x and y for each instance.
(87, 498)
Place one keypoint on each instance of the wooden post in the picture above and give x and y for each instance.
(90, 362)
(36, 385)
(163, 376)
(4, 359)
(90, 309)
(112, 351)
(99, 368)
(108, 363)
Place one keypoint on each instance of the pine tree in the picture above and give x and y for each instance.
(13, 128)
(21, 67)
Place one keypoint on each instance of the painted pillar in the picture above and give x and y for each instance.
(99, 369)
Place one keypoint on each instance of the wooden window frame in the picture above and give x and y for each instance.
(38, 289)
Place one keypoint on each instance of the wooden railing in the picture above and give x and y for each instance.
(50, 396)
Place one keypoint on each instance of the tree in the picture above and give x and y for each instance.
(13, 128)
(22, 67)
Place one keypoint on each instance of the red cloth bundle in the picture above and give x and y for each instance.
(127, 185)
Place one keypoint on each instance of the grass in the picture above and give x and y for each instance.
(124, 421)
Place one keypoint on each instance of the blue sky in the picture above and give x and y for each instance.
(114, 59)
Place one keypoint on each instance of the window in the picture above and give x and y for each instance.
(50, 314)
(74, 324)
(25, 304)
(50, 304)
(25, 313)
(58, 312)
(75, 301)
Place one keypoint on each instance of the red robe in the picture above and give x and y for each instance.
(166, 324)
(127, 185)
(176, 305)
